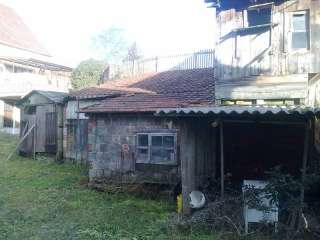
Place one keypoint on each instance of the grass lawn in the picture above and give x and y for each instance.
(45, 200)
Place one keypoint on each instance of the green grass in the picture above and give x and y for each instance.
(45, 200)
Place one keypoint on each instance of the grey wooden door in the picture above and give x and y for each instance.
(51, 132)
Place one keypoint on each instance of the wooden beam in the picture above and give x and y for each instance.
(221, 160)
(304, 168)
(34, 140)
(19, 143)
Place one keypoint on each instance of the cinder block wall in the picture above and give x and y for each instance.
(107, 136)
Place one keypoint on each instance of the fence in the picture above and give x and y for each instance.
(200, 59)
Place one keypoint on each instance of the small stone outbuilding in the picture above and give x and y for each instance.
(127, 143)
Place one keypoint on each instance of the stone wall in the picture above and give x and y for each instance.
(112, 149)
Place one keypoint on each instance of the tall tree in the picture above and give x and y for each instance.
(88, 73)
(112, 45)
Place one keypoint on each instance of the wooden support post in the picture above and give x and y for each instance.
(304, 168)
(59, 153)
(221, 161)
(188, 158)
(34, 141)
(77, 132)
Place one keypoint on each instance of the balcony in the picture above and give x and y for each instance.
(17, 85)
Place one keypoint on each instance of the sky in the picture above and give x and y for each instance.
(160, 27)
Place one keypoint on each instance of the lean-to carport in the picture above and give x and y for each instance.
(221, 118)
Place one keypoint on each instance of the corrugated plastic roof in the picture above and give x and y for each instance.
(238, 110)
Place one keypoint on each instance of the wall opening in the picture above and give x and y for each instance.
(251, 149)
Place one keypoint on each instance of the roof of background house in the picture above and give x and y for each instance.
(146, 93)
(55, 97)
(37, 63)
(15, 33)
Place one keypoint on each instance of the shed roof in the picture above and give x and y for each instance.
(54, 97)
(178, 88)
(15, 33)
(238, 110)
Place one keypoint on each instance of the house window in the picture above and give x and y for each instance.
(156, 148)
(22, 70)
(259, 16)
(299, 31)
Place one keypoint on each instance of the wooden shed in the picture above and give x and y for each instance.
(245, 143)
(41, 128)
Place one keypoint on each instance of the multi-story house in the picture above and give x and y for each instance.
(25, 65)
(268, 52)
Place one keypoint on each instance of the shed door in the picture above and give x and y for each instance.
(8, 116)
(51, 132)
(42, 129)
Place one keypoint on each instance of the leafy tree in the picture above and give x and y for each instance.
(112, 44)
(87, 73)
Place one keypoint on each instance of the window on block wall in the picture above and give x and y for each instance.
(156, 148)
(300, 30)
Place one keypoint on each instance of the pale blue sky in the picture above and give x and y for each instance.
(160, 27)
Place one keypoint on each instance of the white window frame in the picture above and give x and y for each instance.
(306, 14)
(149, 147)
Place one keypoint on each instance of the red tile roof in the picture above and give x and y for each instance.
(14, 32)
(112, 88)
(179, 88)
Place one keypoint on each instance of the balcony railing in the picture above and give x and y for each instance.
(20, 84)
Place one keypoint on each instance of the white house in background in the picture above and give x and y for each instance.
(25, 65)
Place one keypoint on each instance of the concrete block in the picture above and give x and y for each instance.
(99, 156)
(103, 147)
(91, 138)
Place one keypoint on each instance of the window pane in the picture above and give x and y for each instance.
(299, 40)
(142, 156)
(159, 155)
(259, 17)
(168, 155)
(156, 155)
(156, 141)
(143, 140)
(168, 141)
(299, 22)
